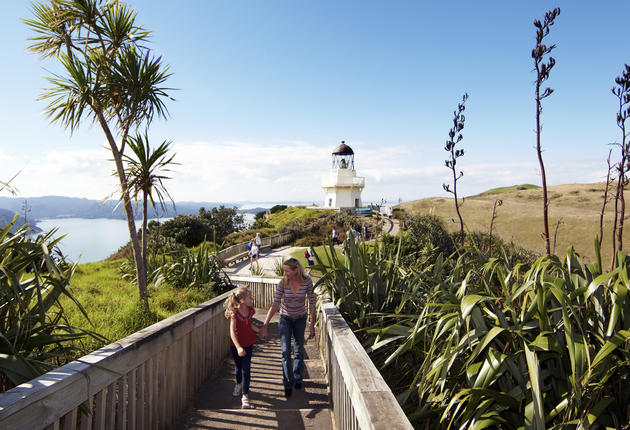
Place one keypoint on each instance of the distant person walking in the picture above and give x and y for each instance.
(310, 258)
(289, 299)
(239, 310)
(258, 241)
(254, 253)
(364, 231)
(335, 236)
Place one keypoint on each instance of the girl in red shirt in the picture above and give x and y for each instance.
(239, 310)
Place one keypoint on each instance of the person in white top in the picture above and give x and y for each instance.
(254, 253)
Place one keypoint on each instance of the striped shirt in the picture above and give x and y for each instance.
(293, 304)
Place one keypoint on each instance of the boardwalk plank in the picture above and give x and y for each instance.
(308, 408)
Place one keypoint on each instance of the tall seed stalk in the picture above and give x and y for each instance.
(601, 215)
(454, 137)
(542, 74)
(497, 202)
(622, 91)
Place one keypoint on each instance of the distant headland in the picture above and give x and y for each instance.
(46, 207)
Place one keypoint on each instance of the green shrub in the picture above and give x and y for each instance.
(427, 230)
(256, 269)
(195, 268)
(277, 208)
(278, 267)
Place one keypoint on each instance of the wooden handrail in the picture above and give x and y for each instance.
(145, 380)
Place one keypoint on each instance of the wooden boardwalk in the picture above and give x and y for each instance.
(308, 408)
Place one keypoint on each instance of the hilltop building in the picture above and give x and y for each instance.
(342, 187)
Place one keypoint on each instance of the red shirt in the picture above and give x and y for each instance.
(244, 332)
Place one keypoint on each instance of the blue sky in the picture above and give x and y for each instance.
(267, 89)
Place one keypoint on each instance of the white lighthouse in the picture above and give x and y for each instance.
(341, 185)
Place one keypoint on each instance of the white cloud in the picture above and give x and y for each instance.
(283, 171)
(75, 173)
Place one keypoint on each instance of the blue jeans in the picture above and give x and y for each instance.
(242, 366)
(292, 371)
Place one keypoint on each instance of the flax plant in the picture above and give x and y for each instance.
(257, 270)
(514, 347)
(369, 280)
(198, 269)
(278, 267)
(35, 335)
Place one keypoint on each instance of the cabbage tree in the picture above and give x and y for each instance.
(146, 170)
(108, 76)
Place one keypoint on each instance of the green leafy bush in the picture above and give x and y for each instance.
(427, 230)
(277, 208)
(197, 269)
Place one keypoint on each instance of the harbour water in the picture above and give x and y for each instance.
(88, 240)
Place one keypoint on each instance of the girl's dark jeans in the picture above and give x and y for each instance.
(242, 366)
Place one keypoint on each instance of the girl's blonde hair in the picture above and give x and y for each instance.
(234, 300)
(294, 263)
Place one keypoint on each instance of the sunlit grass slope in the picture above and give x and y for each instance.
(293, 213)
(574, 211)
(112, 303)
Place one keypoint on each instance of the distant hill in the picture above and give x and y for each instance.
(72, 207)
(574, 211)
(6, 216)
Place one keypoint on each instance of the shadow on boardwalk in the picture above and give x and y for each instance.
(308, 408)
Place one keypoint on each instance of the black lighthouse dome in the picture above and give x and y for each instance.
(343, 149)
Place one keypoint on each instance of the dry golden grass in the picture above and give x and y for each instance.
(574, 211)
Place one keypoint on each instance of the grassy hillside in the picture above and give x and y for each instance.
(112, 303)
(293, 213)
(573, 208)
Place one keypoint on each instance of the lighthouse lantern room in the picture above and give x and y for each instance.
(342, 187)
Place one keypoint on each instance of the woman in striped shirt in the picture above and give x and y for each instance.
(290, 300)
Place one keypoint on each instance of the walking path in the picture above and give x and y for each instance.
(391, 226)
(266, 261)
(307, 408)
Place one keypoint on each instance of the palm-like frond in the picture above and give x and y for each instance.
(147, 168)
